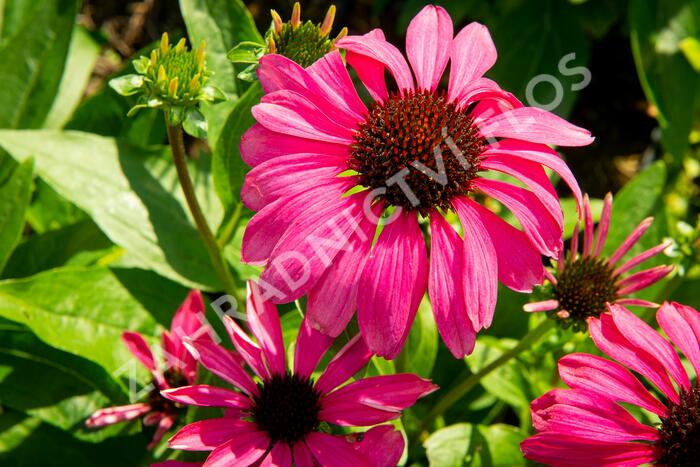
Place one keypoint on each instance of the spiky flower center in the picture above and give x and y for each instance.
(419, 140)
(304, 44)
(583, 288)
(287, 407)
(679, 433)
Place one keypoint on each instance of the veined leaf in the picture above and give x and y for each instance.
(15, 192)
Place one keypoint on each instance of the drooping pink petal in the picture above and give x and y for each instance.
(486, 99)
(643, 279)
(629, 242)
(608, 338)
(330, 73)
(636, 302)
(682, 325)
(203, 395)
(264, 322)
(545, 305)
(480, 281)
(587, 227)
(302, 455)
(640, 334)
(220, 362)
(259, 144)
(165, 424)
(445, 287)
(641, 257)
(292, 114)
(351, 359)
(334, 451)
(208, 434)
(241, 451)
(540, 154)
(382, 446)
(607, 378)
(535, 125)
(279, 456)
(171, 349)
(603, 225)
(428, 40)
(392, 285)
(112, 415)
(139, 348)
(152, 418)
(246, 348)
(540, 226)
(382, 51)
(189, 318)
(310, 347)
(472, 53)
(369, 70)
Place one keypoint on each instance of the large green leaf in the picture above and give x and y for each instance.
(139, 209)
(15, 192)
(222, 24)
(81, 311)
(32, 59)
(476, 445)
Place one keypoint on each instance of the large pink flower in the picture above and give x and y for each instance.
(583, 282)
(320, 157)
(278, 420)
(180, 369)
(586, 425)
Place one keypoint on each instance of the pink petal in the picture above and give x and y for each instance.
(264, 322)
(587, 227)
(445, 287)
(220, 362)
(243, 450)
(603, 225)
(203, 395)
(540, 154)
(682, 325)
(643, 279)
(631, 240)
(292, 114)
(369, 70)
(540, 225)
(259, 144)
(172, 463)
(399, 259)
(636, 302)
(545, 305)
(347, 362)
(640, 258)
(472, 53)
(208, 434)
(112, 415)
(302, 455)
(480, 281)
(609, 339)
(246, 348)
(606, 378)
(640, 334)
(382, 51)
(139, 348)
(188, 319)
(333, 451)
(310, 347)
(382, 445)
(280, 456)
(165, 424)
(330, 73)
(428, 40)
(488, 99)
(535, 125)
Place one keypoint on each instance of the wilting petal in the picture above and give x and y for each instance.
(545, 305)
(640, 258)
(220, 362)
(351, 359)
(241, 451)
(445, 287)
(682, 325)
(643, 279)
(472, 53)
(310, 347)
(392, 285)
(428, 40)
(334, 451)
(603, 225)
(165, 424)
(112, 415)
(203, 395)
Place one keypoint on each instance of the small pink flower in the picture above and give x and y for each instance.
(278, 420)
(582, 283)
(320, 157)
(586, 425)
(180, 370)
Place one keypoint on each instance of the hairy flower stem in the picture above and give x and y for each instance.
(215, 253)
(459, 391)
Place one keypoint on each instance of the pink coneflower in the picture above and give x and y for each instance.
(180, 370)
(586, 425)
(582, 283)
(278, 420)
(417, 152)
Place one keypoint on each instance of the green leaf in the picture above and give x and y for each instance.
(82, 56)
(137, 211)
(50, 211)
(15, 193)
(82, 311)
(245, 52)
(228, 169)
(32, 59)
(477, 445)
(195, 124)
(127, 85)
(222, 24)
(421, 347)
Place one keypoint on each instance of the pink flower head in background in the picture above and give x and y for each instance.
(278, 420)
(320, 157)
(586, 425)
(583, 282)
(180, 370)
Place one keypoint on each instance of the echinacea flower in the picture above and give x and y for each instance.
(320, 157)
(586, 425)
(179, 369)
(583, 282)
(283, 417)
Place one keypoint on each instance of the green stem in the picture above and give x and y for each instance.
(459, 391)
(215, 253)
(230, 227)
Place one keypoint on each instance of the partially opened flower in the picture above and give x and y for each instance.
(586, 425)
(178, 369)
(284, 416)
(583, 282)
(418, 153)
